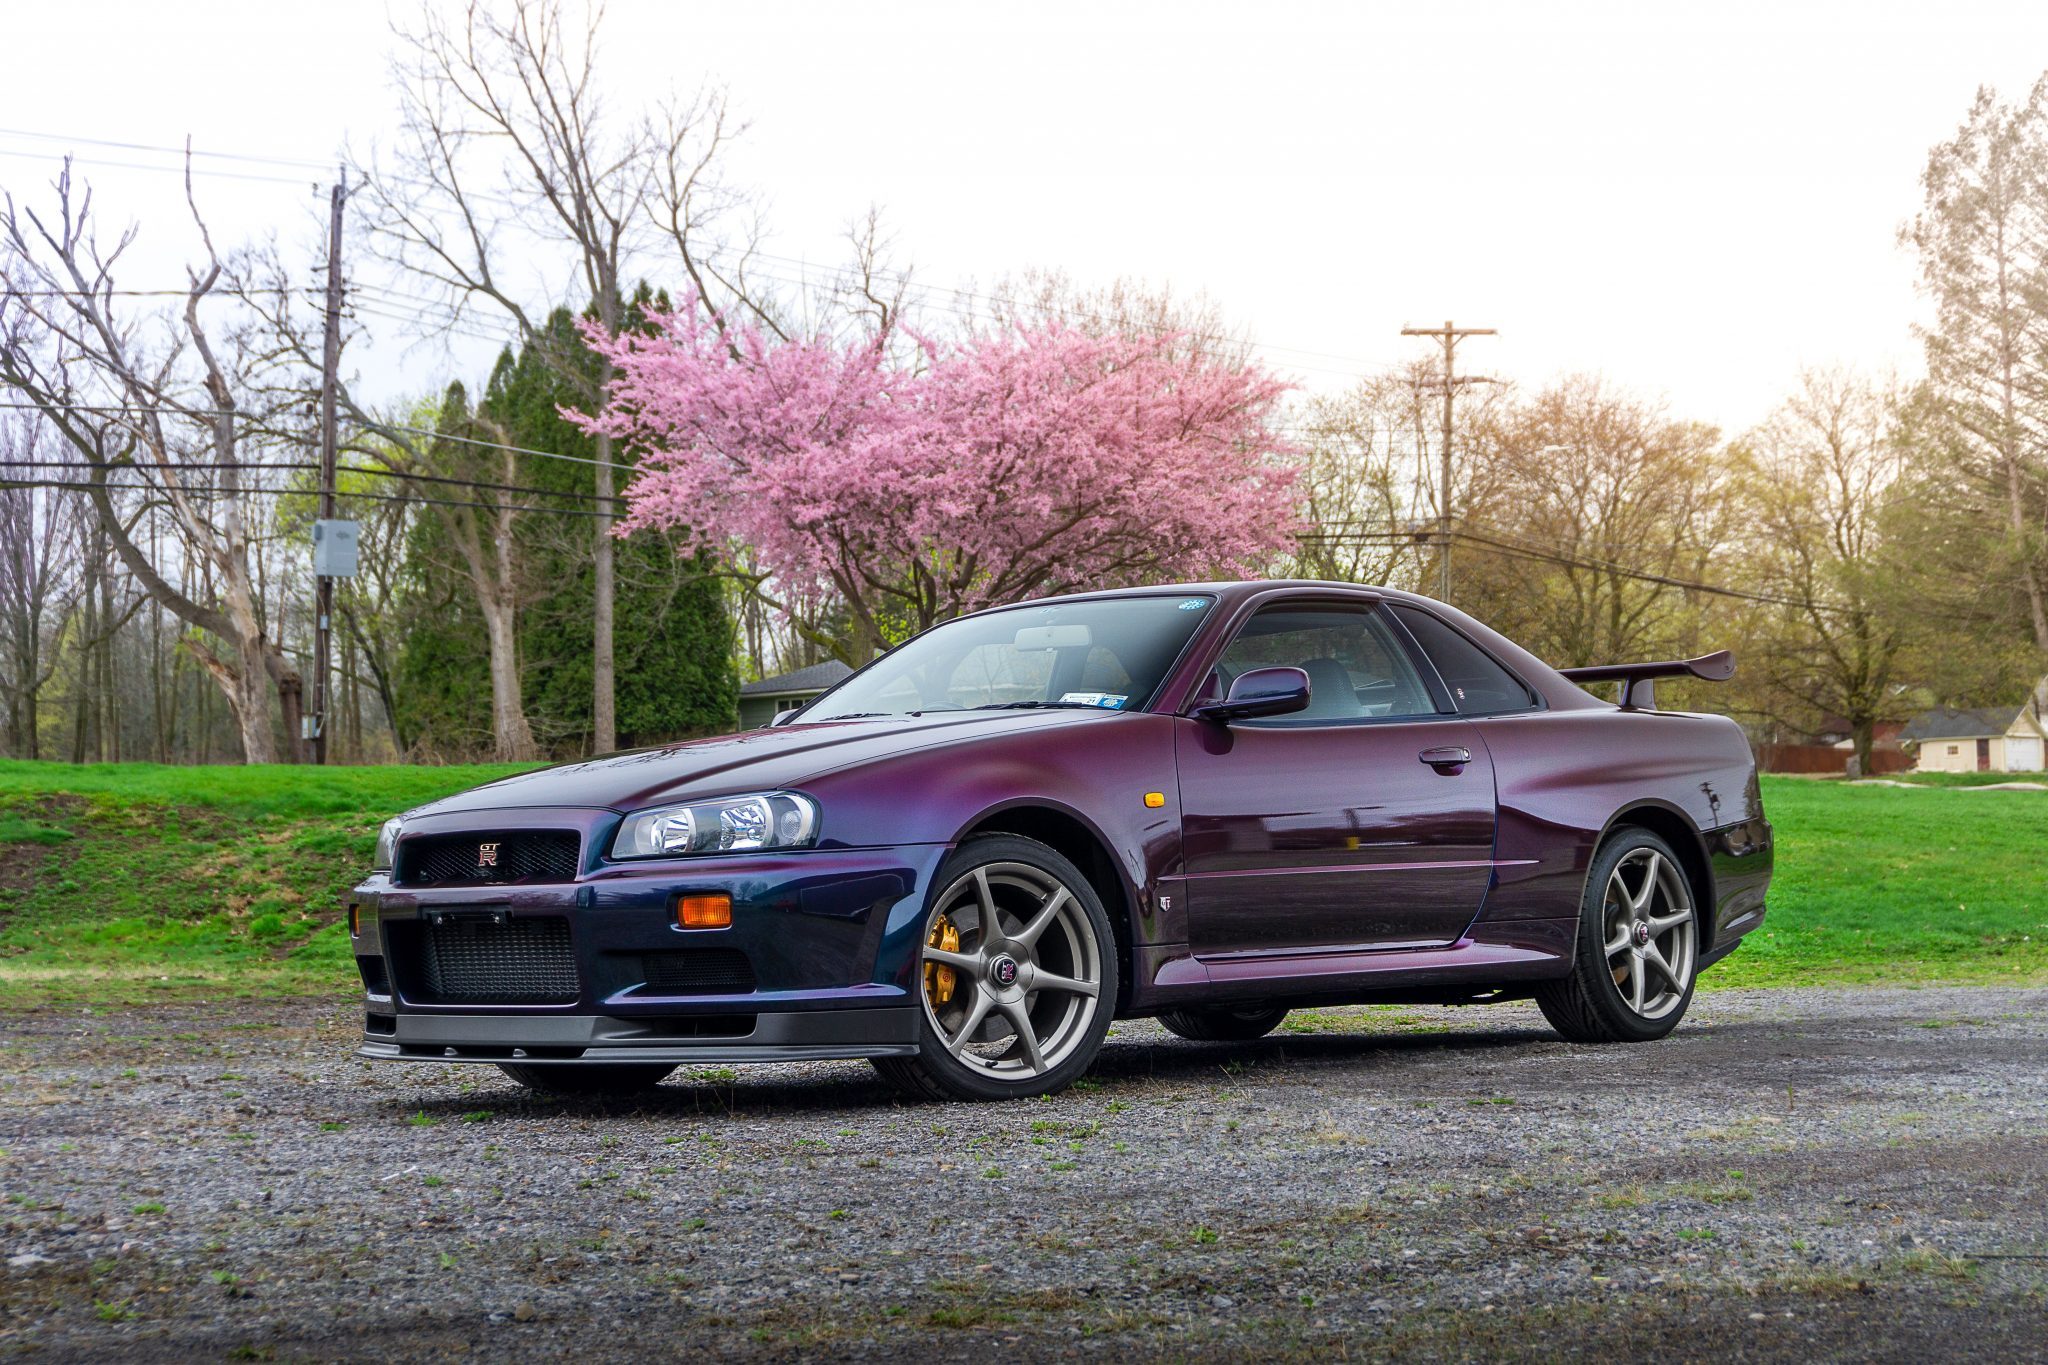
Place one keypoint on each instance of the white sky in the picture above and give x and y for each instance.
(1695, 199)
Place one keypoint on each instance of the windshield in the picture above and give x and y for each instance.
(1108, 653)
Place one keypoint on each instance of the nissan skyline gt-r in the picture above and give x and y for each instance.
(1207, 803)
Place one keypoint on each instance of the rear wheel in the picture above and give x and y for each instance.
(1638, 947)
(1017, 976)
(599, 1078)
(1225, 1023)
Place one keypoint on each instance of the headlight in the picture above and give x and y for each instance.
(729, 824)
(387, 845)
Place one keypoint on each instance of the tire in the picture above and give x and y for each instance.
(599, 1078)
(1637, 962)
(1013, 932)
(1225, 1023)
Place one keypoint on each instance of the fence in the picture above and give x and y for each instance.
(1825, 758)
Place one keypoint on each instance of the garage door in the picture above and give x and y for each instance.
(2022, 755)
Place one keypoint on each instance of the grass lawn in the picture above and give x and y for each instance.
(137, 882)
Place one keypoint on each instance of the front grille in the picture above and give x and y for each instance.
(488, 859)
(700, 971)
(489, 962)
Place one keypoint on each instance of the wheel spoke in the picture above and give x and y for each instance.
(1619, 943)
(991, 928)
(1619, 897)
(975, 1015)
(1654, 955)
(1028, 935)
(1027, 1037)
(1663, 924)
(969, 963)
(1653, 866)
(1637, 978)
(1048, 981)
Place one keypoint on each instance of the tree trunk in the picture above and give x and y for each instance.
(604, 720)
(512, 736)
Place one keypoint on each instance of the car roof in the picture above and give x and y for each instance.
(1558, 691)
(1231, 590)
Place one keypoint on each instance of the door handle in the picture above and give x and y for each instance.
(1448, 759)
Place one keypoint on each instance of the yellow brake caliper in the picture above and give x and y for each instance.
(939, 980)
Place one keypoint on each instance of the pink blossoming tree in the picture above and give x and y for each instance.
(1028, 462)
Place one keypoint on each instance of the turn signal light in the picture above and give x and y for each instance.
(355, 920)
(703, 912)
(1154, 800)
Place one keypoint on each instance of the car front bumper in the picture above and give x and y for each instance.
(818, 961)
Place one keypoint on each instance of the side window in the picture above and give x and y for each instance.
(1356, 670)
(1479, 686)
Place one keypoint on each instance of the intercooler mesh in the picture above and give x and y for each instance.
(517, 962)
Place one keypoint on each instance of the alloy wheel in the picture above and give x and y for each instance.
(1012, 971)
(1651, 935)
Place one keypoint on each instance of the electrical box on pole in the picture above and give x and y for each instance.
(334, 548)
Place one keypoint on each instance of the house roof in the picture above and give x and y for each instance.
(814, 679)
(1948, 722)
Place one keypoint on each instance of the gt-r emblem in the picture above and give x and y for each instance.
(486, 855)
(1004, 970)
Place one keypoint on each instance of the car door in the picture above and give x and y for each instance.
(1365, 821)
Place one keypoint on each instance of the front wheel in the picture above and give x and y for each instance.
(1224, 1024)
(598, 1078)
(1016, 974)
(1638, 950)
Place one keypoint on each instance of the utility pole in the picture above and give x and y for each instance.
(330, 366)
(1450, 334)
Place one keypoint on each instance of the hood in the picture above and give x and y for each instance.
(755, 760)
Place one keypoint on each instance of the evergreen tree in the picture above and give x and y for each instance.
(674, 635)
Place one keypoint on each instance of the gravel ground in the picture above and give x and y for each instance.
(1811, 1174)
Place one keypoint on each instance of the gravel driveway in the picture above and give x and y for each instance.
(1850, 1175)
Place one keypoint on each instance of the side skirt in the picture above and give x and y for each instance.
(1491, 957)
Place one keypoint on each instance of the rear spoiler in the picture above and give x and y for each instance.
(1638, 687)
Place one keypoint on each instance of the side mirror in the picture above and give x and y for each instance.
(1261, 692)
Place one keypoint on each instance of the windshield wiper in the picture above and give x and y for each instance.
(855, 715)
(1042, 706)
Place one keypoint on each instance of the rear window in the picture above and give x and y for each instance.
(1479, 686)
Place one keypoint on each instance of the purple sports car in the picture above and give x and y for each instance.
(1208, 803)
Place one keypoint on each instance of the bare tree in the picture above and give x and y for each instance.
(170, 398)
(1982, 239)
(41, 529)
(1366, 473)
(1587, 513)
(507, 144)
(1822, 473)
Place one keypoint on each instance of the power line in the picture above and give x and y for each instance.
(300, 466)
(120, 409)
(145, 166)
(213, 490)
(175, 151)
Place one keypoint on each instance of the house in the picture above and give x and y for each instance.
(763, 701)
(1987, 739)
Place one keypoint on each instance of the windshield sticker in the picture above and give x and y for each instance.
(1111, 701)
(1193, 603)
